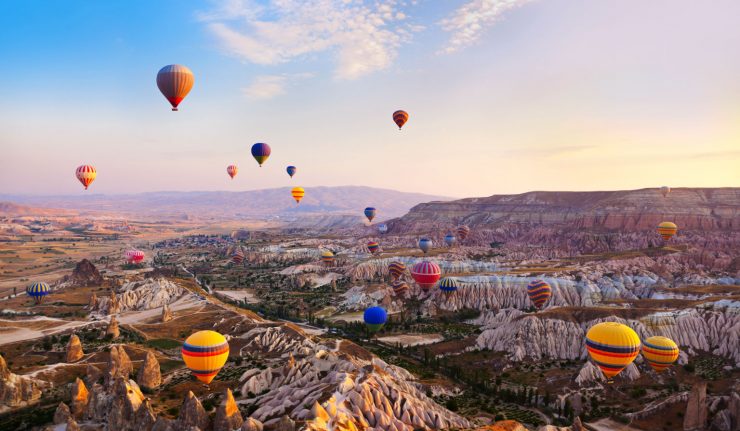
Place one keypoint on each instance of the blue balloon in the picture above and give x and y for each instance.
(291, 170)
(370, 213)
(450, 239)
(382, 228)
(375, 316)
(425, 244)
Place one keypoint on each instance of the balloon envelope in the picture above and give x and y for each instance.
(373, 247)
(175, 82)
(425, 244)
(38, 291)
(134, 256)
(667, 230)
(612, 346)
(86, 174)
(426, 274)
(375, 318)
(260, 152)
(232, 171)
(291, 170)
(327, 257)
(298, 193)
(539, 292)
(400, 118)
(382, 228)
(462, 232)
(660, 352)
(396, 269)
(450, 239)
(399, 287)
(370, 213)
(205, 353)
(237, 256)
(448, 285)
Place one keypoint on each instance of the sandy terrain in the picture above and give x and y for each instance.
(411, 339)
(240, 295)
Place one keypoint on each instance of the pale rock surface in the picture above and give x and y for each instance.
(252, 424)
(141, 295)
(74, 349)
(92, 374)
(112, 329)
(93, 303)
(228, 417)
(61, 414)
(695, 418)
(149, 375)
(192, 413)
(119, 364)
(17, 391)
(72, 425)
(166, 313)
(285, 424)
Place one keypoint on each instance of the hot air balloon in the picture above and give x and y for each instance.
(375, 318)
(399, 287)
(237, 256)
(373, 247)
(400, 118)
(298, 194)
(291, 170)
(133, 256)
(396, 269)
(205, 353)
(667, 230)
(426, 274)
(175, 82)
(383, 228)
(261, 152)
(425, 244)
(86, 175)
(370, 213)
(450, 240)
(327, 257)
(539, 292)
(448, 285)
(232, 170)
(612, 346)
(38, 291)
(659, 352)
(665, 190)
(462, 232)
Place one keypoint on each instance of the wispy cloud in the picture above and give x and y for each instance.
(269, 86)
(363, 36)
(468, 22)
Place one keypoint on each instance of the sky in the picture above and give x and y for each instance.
(504, 96)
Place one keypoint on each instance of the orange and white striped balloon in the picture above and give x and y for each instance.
(86, 174)
(232, 171)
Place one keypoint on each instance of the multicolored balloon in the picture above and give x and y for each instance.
(134, 256)
(450, 240)
(232, 170)
(327, 258)
(383, 228)
(237, 256)
(205, 353)
(462, 232)
(426, 274)
(373, 247)
(38, 291)
(539, 292)
(448, 285)
(370, 213)
(297, 193)
(659, 352)
(260, 152)
(375, 318)
(425, 244)
(400, 118)
(175, 82)
(667, 230)
(396, 269)
(291, 170)
(86, 174)
(665, 190)
(400, 287)
(612, 346)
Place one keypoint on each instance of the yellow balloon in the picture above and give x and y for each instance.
(298, 193)
(205, 353)
(612, 346)
(667, 230)
(660, 352)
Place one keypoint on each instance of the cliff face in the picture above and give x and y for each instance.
(625, 211)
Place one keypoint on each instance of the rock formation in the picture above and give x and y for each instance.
(92, 374)
(192, 413)
(507, 425)
(124, 405)
(72, 425)
(74, 349)
(695, 418)
(112, 329)
(252, 424)
(149, 375)
(61, 414)
(80, 398)
(285, 424)
(93, 302)
(228, 417)
(112, 305)
(119, 364)
(141, 295)
(577, 425)
(84, 274)
(166, 313)
(15, 390)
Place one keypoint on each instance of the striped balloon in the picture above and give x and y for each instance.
(373, 247)
(86, 174)
(612, 346)
(667, 230)
(232, 171)
(298, 194)
(462, 232)
(370, 213)
(425, 244)
(426, 274)
(133, 256)
(659, 352)
(327, 257)
(400, 287)
(539, 292)
(175, 82)
(205, 353)
(260, 152)
(396, 269)
(450, 240)
(448, 285)
(291, 170)
(238, 256)
(38, 291)
(400, 118)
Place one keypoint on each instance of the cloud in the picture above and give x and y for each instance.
(468, 22)
(269, 86)
(362, 36)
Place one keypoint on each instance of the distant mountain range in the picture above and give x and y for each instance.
(256, 204)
